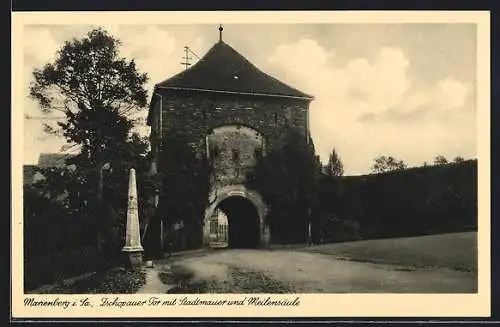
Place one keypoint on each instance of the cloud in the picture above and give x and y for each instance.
(366, 107)
(39, 47)
(151, 49)
(450, 94)
(156, 52)
(384, 81)
(446, 97)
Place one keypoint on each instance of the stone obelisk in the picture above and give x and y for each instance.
(133, 249)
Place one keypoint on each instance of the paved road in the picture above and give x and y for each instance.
(317, 273)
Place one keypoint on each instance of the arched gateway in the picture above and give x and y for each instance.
(245, 211)
(232, 113)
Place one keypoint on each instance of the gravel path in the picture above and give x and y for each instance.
(318, 273)
(153, 283)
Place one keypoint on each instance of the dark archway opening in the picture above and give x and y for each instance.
(244, 222)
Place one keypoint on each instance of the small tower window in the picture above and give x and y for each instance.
(258, 153)
(276, 118)
(236, 155)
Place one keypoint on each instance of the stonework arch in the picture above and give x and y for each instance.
(218, 195)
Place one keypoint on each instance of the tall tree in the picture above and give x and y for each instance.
(97, 91)
(287, 178)
(384, 164)
(334, 167)
(329, 198)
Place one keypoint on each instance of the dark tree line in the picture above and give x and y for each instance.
(418, 201)
(384, 164)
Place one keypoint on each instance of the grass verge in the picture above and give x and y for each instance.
(457, 251)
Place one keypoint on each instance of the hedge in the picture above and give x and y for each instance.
(415, 201)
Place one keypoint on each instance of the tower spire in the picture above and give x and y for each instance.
(220, 32)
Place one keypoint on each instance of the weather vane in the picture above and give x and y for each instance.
(220, 32)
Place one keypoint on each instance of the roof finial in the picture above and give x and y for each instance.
(220, 32)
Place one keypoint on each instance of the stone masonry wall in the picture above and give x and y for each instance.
(233, 150)
(196, 113)
(220, 124)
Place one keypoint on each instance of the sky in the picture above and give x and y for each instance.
(404, 90)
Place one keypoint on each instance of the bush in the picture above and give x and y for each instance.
(60, 243)
(56, 266)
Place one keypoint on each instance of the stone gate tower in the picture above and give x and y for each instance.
(232, 113)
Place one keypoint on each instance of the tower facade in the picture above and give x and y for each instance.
(232, 113)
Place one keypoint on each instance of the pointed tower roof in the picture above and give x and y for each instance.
(223, 69)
